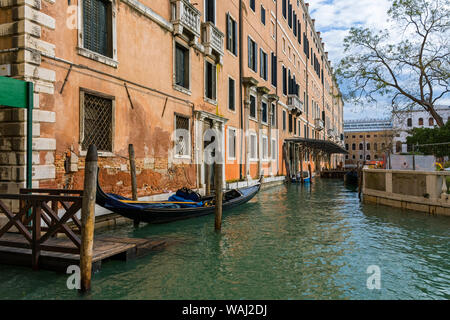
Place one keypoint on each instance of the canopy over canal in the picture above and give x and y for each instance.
(295, 242)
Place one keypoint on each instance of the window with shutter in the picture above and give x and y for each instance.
(252, 107)
(231, 94)
(182, 142)
(264, 112)
(210, 11)
(181, 66)
(210, 80)
(231, 143)
(263, 15)
(231, 35)
(97, 26)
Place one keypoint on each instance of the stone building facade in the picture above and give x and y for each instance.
(120, 72)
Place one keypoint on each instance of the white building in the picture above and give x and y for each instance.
(417, 118)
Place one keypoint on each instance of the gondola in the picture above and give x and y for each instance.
(351, 178)
(297, 178)
(157, 212)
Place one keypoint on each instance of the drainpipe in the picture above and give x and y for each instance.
(241, 62)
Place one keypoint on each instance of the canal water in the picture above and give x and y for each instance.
(296, 242)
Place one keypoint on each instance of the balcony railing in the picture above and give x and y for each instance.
(295, 104)
(319, 124)
(185, 17)
(212, 40)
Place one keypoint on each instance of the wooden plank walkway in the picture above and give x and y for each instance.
(105, 248)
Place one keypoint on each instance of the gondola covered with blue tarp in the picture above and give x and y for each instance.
(177, 207)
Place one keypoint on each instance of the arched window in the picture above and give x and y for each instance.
(383, 146)
(353, 146)
(360, 146)
(420, 121)
(398, 146)
(376, 157)
(368, 157)
(346, 146)
(368, 146)
(431, 122)
(375, 146)
(409, 122)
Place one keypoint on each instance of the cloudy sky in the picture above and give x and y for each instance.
(334, 18)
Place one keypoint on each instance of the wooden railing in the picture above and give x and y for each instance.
(38, 206)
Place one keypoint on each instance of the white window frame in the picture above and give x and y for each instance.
(174, 80)
(189, 151)
(264, 146)
(235, 143)
(209, 100)
(256, 108)
(253, 134)
(274, 149)
(82, 51)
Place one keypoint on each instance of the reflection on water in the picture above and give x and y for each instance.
(296, 242)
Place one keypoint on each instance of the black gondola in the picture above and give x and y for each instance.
(168, 211)
(351, 178)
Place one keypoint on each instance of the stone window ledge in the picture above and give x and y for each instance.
(97, 57)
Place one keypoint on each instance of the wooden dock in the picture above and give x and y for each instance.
(333, 174)
(105, 248)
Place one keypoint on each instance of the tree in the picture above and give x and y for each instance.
(410, 63)
(434, 141)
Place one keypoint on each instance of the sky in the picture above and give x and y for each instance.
(334, 18)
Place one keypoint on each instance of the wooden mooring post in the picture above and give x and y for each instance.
(310, 172)
(219, 195)
(88, 218)
(132, 159)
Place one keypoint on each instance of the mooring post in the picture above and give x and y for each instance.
(360, 179)
(207, 179)
(88, 218)
(219, 195)
(133, 172)
(132, 158)
(310, 172)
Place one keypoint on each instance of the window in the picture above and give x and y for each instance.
(353, 157)
(353, 146)
(265, 148)
(274, 115)
(210, 80)
(97, 116)
(97, 26)
(420, 121)
(273, 149)
(274, 70)
(375, 146)
(368, 157)
(361, 147)
(210, 11)
(231, 143)
(360, 156)
(181, 66)
(231, 94)
(252, 107)
(409, 122)
(252, 5)
(290, 122)
(368, 146)
(231, 35)
(264, 112)
(263, 65)
(182, 142)
(284, 8)
(431, 122)
(263, 15)
(295, 125)
(252, 55)
(346, 146)
(284, 80)
(398, 146)
(284, 120)
(253, 155)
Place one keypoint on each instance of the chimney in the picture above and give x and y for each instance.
(307, 6)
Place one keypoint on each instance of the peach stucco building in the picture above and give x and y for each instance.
(158, 74)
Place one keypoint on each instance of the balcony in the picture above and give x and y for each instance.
(294, 104)
(186, 19)
(319, 124)
(213, 41)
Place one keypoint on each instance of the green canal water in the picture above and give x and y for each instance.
(287, 243)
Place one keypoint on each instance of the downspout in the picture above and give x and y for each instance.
(240, 89)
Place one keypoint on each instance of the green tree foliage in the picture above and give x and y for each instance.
(434, 140)
(409, 63)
